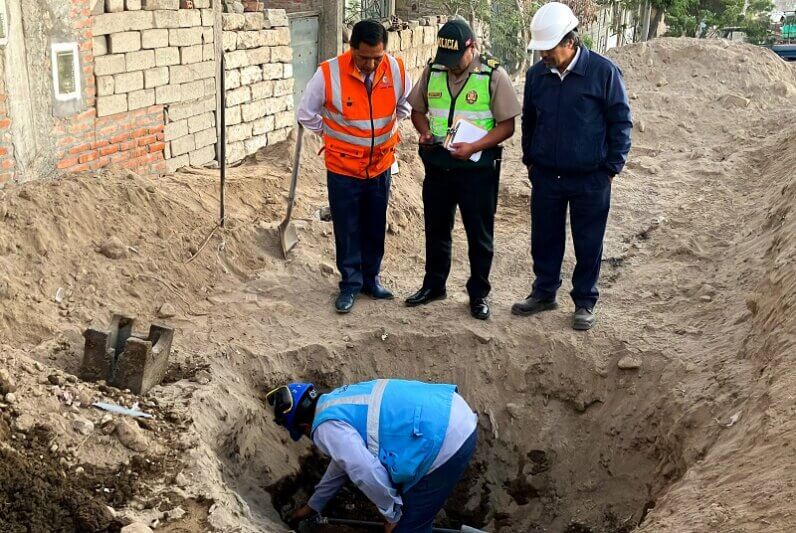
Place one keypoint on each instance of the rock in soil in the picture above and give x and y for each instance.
(136, 527)
(7, 383)
(131, 436)
(113, 248)
(166, 311)
(83, 426)
(629, 362)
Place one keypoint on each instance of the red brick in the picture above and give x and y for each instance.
(99, 163)
(120, 156)
(6, 122)
(87, 114)
(80, 168)
(85, 158)
(121, 137)
(65, 163)
(157, 147)
(156, 129)
(80, 148)
(5, 177)
(108, 150)
(3, 151)
(66, 141)
(149, 139)
(129, 145)
(140, 132)
(7, 164)
(138, 152)
(79, 128)
(99, 144)
(107, 131)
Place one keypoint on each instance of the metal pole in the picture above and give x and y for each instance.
(222, 158)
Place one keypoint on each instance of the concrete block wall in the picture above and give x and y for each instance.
(258, 80)
(155, 56)
(416, 46)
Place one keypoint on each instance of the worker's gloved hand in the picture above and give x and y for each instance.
(305, 511)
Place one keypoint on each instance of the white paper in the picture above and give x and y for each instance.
(467, 132)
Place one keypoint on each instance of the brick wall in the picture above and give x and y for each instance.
(415, 45)
(293, 6)
(258, 81)
(7, 162)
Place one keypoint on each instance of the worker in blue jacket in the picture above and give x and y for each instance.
(576, 127)
(405, 444)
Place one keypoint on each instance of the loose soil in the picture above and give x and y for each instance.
(698, 291)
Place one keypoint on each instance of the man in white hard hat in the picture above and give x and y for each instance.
(576, 128)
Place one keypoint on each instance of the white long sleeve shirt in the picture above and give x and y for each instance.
(311, 105)
(352, 460)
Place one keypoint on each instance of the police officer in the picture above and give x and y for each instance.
(461, 84)
(405, 444)
(576, 127)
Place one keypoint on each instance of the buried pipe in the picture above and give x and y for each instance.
(306, 526)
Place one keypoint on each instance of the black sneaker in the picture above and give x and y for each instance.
(532, 305)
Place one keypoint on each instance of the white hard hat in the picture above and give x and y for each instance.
(550, 24)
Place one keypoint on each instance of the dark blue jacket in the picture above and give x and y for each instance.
(579, 125)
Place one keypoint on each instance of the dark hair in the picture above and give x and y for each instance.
(370, 32)
(572, 36)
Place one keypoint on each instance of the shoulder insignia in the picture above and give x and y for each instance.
(490, 61)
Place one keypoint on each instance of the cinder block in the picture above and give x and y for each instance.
(203, 156)
(232, 21)
(282, 36)
(233, 116)
(191, 54)
(183, 145)
(288, 71)
(281, 54)
(229, 40)
(263, 125)
(189, 109)
(185, 36)
(406, 39)
(237, 59)
(272, 71)
(284, 119)
(207, 35)
(155, 38)
(165, 57)
(105, 85)
(126, 41)
(275, 18)
(132, 5)
(275, 105)
(110, 105)
(155, 77)
(206, 137)
(252, 39)
(264, 89)
(249, 75)
(182, 74)
(235, 152)
(208, 52)
(278, 136)
(152, 5)
(255, 143)
(201, 4)
(167, 94)
(141, 60)
(268, 37)
(100, 46)
(254, 110)
(106, 65)
(210, 86)
(139, 99)
(124, 21)
(114, 6)
(429, 35)
(418, 35)
(190, 18)
(206, 69)
(183, 18)
(175, 163)
(208, 17)
(192, 90)
(254, 21)
(201, 122)
(175, 130)
(283, 87)
(239, 132)
(259, 56)
(238, 96)
(127, 82)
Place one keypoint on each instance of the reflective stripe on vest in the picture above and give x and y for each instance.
(472, 103)
(373, 401)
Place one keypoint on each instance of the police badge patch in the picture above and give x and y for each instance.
(472, 97)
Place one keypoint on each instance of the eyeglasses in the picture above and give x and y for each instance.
(281, 398)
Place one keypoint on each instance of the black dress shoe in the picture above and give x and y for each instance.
(424, 296)
(532, 305)
(479, 308)
(345, 301)
(378, 292)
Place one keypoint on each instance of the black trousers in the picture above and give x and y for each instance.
(359, 216)
(475, 192)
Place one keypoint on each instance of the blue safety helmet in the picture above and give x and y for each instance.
(286, 401)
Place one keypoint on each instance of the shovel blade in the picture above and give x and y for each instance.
(288, 237)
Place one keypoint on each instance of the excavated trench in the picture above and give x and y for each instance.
(567, 441)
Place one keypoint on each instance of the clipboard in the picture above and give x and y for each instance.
(464, 131)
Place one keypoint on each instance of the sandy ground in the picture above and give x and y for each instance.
(675, 414)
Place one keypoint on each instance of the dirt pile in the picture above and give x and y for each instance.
(668, 415)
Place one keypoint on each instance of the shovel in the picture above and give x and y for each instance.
(308, 525)
(288, 237)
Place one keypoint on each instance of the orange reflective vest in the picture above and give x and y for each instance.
(360, 130)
